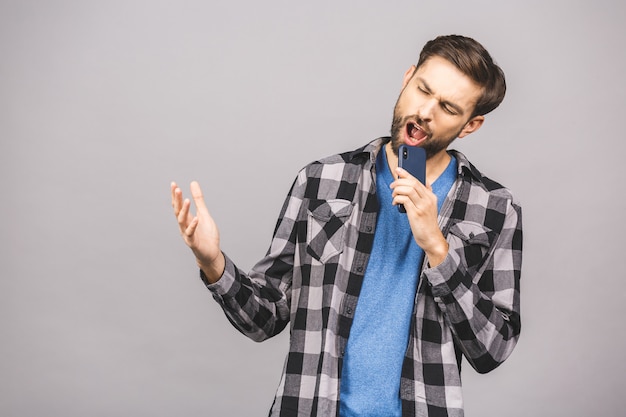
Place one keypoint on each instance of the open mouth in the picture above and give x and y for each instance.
(414, 134)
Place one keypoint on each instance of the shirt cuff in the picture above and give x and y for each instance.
(227, 284)
(441, 277)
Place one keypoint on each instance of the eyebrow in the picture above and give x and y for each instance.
(456, 107)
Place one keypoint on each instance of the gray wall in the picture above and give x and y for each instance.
(102, 104)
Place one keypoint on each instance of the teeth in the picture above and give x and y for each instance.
(414, 126)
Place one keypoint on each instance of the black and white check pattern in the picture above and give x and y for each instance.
(311, 276)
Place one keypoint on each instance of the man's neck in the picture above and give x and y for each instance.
(435, 165)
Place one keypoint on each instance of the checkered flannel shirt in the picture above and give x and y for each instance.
(469, 305)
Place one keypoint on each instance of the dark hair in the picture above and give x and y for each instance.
(473, 60)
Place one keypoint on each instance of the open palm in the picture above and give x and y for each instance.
(199, 232)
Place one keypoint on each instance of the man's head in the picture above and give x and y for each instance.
(454, 84)
(473, 60)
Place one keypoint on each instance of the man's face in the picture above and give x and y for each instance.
(434, 107)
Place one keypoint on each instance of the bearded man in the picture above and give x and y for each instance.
(382, 305)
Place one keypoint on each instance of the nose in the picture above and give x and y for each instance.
(427, 109)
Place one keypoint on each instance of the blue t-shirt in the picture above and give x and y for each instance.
(379, 335)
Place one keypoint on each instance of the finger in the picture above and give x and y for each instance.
(198, 198)
(177, 199)
(406, 175)
(403, 173)
(184, 217)
(409, 187)
(403, 200)
(191, 229)
(407, 191)
(173, 188)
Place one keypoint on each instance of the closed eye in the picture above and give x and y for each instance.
(451, 108)
(448, 109)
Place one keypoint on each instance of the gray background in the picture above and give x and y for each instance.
(102, 104)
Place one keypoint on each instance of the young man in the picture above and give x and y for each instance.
(382, 305)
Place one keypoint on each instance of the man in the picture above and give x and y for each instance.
(382, 305)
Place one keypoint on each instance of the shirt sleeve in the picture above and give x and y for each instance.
(477, 288)
(258, 303)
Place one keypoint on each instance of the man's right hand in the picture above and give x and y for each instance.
(199, 232)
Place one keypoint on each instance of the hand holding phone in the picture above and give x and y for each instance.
(413, 160)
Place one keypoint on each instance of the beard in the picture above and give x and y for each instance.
(432, 144)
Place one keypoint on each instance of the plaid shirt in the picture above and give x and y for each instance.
(469, 305)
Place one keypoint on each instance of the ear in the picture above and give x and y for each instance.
(472, 126)
(407, 76)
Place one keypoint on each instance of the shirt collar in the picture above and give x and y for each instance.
(465, 166)
(371, 150)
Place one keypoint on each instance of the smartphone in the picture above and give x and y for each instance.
(412, 159)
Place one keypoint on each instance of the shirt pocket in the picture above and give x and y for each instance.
(326, 227)
(474, 242)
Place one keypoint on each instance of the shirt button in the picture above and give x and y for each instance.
(359, 269)
(349, 310)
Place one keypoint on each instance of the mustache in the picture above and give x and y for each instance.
(399, 122)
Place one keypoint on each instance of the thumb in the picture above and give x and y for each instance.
(198, 198)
